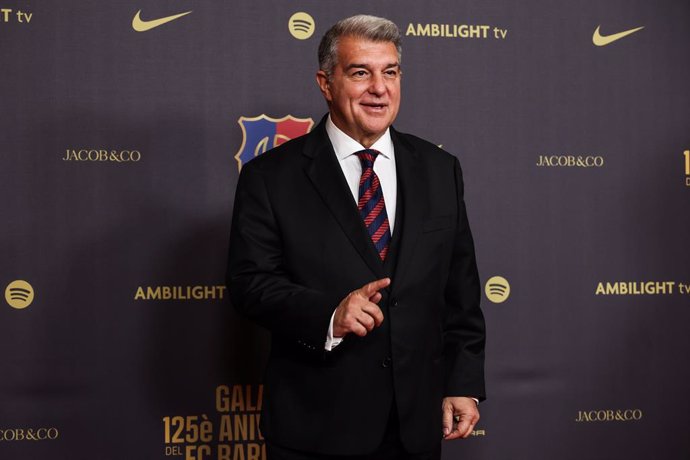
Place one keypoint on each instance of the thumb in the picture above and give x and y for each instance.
(447, 419)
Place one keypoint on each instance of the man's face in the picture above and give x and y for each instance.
(363, 92)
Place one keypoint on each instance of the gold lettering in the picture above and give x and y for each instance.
(224, 452)
(153, 294)
(237, 404)
(249, 406)
(474, 32)
(222, 402)
(197, 292)
(225, 431)
(636, 288)
(611, 288)
(252, 426)
(238, 452)
(241, 426)
(253, 452)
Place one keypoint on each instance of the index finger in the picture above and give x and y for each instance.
(372, 288)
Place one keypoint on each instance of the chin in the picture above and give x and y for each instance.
(378, 126)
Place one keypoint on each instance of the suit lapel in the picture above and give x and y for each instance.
(412, 195)
(327, 177)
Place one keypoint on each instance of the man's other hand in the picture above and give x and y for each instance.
(358, 313)
(460, 415)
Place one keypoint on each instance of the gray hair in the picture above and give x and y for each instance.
(361, 26)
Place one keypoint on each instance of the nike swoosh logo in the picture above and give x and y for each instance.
(603, 40)
(140, 25)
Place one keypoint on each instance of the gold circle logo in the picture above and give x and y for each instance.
(301, 25)
(19, 294)
(497, 289)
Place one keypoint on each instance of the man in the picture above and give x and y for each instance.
(351, 245)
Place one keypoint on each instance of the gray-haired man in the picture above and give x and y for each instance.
(352, 246)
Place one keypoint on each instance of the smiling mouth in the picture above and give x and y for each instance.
(374, 106)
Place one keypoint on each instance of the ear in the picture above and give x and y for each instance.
(324, 85)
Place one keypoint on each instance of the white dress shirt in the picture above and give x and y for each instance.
(345, 148)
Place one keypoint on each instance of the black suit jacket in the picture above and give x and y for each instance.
(298, 246)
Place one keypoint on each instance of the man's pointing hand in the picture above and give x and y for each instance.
(358, 312)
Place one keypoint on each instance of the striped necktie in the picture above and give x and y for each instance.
(371, 206)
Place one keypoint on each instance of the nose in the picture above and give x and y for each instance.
(378, 85)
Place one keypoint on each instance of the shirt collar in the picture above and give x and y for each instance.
(344, 145)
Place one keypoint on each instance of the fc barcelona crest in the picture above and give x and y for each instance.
(262, 133)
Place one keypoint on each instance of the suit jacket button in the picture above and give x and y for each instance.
(394, 303)
(386, 362)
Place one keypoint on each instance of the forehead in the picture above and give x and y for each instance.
(356, 50)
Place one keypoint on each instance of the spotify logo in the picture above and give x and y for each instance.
(301, 25)
(497, 289)
(19, 294)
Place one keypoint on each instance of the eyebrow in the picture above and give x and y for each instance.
(366, 66)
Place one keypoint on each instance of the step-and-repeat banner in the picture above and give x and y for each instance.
(123, 127)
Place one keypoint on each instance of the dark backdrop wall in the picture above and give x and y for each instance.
(121, 139)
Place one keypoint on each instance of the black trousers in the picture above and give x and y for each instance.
(391, 448)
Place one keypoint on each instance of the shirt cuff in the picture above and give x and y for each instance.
(331, 342)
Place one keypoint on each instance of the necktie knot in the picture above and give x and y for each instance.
(367, 157)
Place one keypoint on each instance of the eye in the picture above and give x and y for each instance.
(359, 73)
(391, 73)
